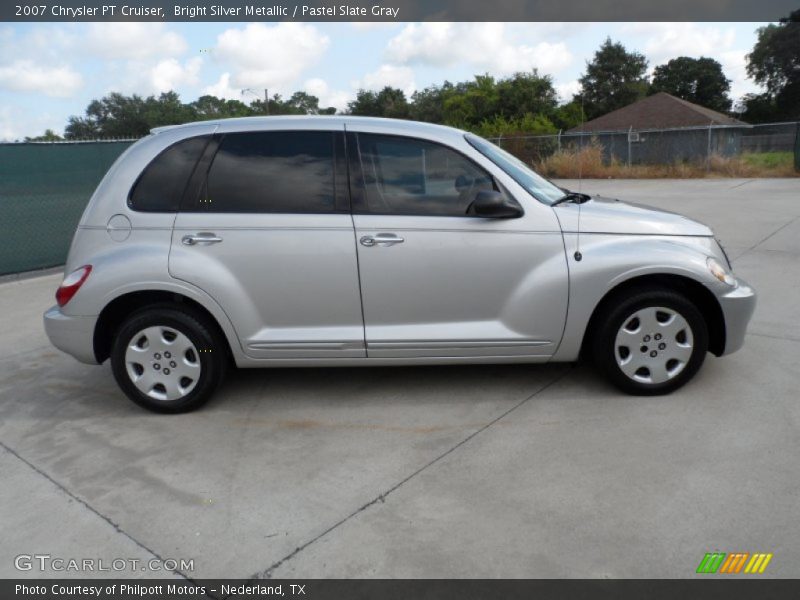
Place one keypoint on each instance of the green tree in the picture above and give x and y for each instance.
(299, 103)
(613, 79)
(365, 104)
(211, 107)
(569, 115)
(526, 93)
(528, 124)
(117, 115)
(698, 80)
(48, 136)
(774, 64)
(428, 104)
(81, 128)
(167, 109)
(302, 103)
(389, 102)
(472, 102)
(757, 108)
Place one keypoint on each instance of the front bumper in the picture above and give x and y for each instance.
(73, 335)
(737, 307)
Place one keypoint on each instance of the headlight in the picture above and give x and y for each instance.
(720, 272)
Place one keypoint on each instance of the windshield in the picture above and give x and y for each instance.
(539, 187)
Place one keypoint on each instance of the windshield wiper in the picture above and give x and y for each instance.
(576, 197)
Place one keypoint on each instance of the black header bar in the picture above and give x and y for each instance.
(748, 587)
(395, 10)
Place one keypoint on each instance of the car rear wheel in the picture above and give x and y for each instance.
(650, 342)
(168, 360)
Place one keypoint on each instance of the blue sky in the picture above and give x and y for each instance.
(50, 71)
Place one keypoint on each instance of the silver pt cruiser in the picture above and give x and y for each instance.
(327, 241)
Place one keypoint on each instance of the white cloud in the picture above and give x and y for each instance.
(16, 123)
(223, 89)
(8, 126)
(35, 62)
(28, 76)
(170, 74)
(132, 41)
(734, 65)
(388, 75)
(668, 40)
(261, 56)
(567, 89)
(485, 46)
(327, 97)
(138, 58)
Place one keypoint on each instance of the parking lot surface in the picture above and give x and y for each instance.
(458, 471)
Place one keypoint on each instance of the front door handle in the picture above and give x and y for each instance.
(381, 239)
(203, 237)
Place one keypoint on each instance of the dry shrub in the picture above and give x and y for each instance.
(587, 162)
(572, 163)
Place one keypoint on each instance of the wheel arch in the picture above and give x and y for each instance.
(115, 312)
(695, 291)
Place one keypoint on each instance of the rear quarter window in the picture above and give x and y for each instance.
(161, 185)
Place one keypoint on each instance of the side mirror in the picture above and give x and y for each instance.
(494, 205)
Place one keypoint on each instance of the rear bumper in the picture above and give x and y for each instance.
(73, 335)
(737, 308)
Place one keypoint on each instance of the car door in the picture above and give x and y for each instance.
(265, 229)
(436, 282)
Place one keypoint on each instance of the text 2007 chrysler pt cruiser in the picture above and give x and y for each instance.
(321, 241)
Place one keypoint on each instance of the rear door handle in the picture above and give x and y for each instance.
(381, 239)
(202, 237)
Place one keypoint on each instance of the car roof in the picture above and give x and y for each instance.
(312, 121)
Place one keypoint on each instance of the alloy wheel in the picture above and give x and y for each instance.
(162, 363)
(653, 345)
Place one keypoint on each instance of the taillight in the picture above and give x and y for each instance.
(71, 284)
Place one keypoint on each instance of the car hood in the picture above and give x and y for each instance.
(607, 215)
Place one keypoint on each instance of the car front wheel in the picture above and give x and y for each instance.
(651, 342)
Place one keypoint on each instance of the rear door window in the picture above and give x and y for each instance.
(273, 172)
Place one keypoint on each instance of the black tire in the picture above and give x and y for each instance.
(211, 356)
(620, 311)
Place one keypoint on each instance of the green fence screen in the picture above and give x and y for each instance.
(43, 191)
(797, 148)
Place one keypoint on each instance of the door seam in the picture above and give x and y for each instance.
(355, 242)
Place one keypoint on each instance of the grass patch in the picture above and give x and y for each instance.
(588, 162)
(769, 160)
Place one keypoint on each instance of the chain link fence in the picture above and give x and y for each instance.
(663, 146)
(44, 188)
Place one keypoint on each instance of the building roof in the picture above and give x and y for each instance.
(659, 111)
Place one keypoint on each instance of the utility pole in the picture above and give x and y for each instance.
(266, 97)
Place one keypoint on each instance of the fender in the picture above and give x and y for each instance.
(612, 259)
(130, 266)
